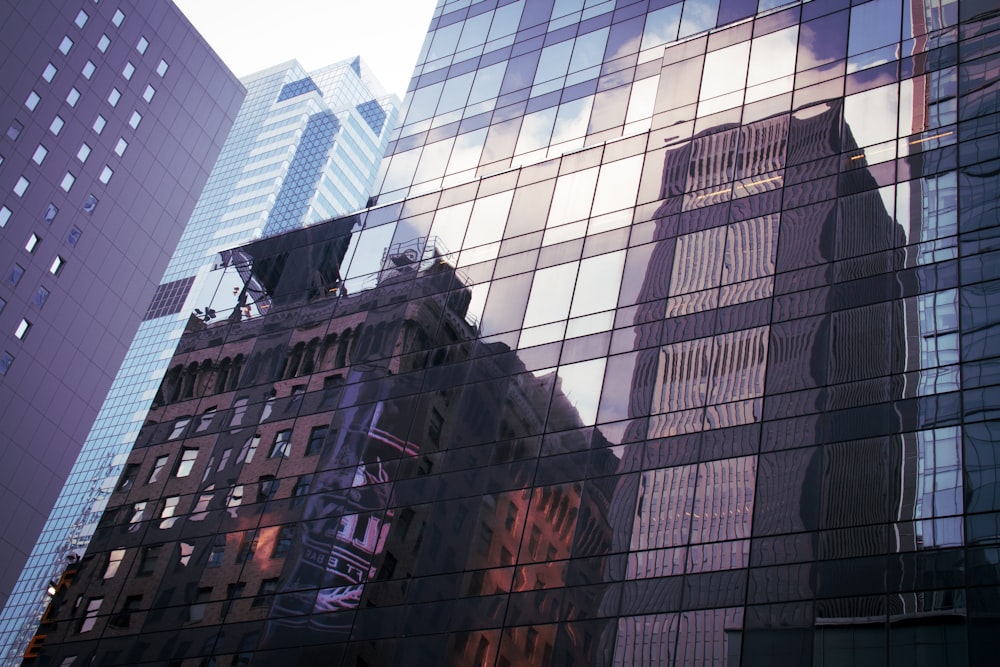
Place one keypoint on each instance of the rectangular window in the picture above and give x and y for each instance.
(196, 612)
(128, 71)
(216, 555)
(118, 18)
(106, 174)
(120, 147)
(114, 96)
(83, 153)
(67, 181)
(148, 93)
(124, 616)
(6, 359)
(14, 131)
(51, 211)
(103, 43)
(316, 439)
(148, 559)
(142, 45)
(22, 329)
(72, 97)
(32, 242)
(128, 477)
(138, 512)
(16, 271)
(74, 235)
(282, 446)
(21, 186)
(161, 68)
(56, 126)
(5, 214)
(40, 154)
(41, 296)
(90, 614)
(158, 465)
(184, 466)
(49, 72)
(90, 204)
(65, 45)
(56, 266)
(32, 101)
(88, 69)
(81, 19)
(268, 587)
(135, 119)
(115, 558)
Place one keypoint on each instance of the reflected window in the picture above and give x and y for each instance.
(129, 475)
(178, 429)
(282, 445)
(196, 612)
(268, 587)
(158, 466)
(41, 296)
(150, 555)
(316, 439)
(90, 614)
(186, 464)
(115, 557)
(56, 266)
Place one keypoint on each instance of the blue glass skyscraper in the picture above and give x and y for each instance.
(304, 147)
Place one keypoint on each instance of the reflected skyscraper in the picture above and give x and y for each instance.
(666, 340)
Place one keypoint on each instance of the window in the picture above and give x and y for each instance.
(90, 615)
(147, 561)
(67, 181)
(6, 359)
(267, 486)
(40, 154)
(65, 45)
(106, 174)
(169, 511)
(90, 204)
(248, 546)
(282, 445)
(158, 465)
(21, 186)
(88, 69)
(179, 427)
(216, 554)
(184, 466)
(115, 558)
(128, 71)
(135, 119)
(142, 45)
(83, 153)
(268, 587)
(32, 242)
(14, 131)
(114, 96)
(51, 211)
(4, 216)
(120, 147)
(22, 329)
(49, 72)
(138, 511)
(196, 612)
(3, 304)
(161, 68)
(316, 439)
(124, 615)
(56, 126)
(128, 477)
(56, 265)
(74, 235)
(301, 489)
(72, 97)
(286, 536)
(99, 124)
(32, 100)
(118, 18)
(233, 592)
(16, 271)
(103, 43)
(41, 296)
(148, 93)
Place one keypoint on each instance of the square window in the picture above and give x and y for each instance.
(16, 271)
(22, 329)
(72, 97)
(6, 359)
(81, 19)
(67, 181)
(41, 296)
(103, 43)
(32, 100)
(88, 69)
(50, 212)
(120, 147)
(21, 186)
(83, 153)
(106, 174)
(65, 45)
(56, 126)
(56, 265)
(40, 154)
(4, 216)
(118, 18)
(74, 235)
(99, 124)
(135, 119)
(49, 72)
(90, 204)
(161, 68)
(128, 71)
(148, 93)
(32, 243)
(14, 131)
(114, 96)
(142, 45)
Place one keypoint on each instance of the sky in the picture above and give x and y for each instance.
(252, 35)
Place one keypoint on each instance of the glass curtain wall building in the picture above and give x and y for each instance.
(113, 114)
(304, 147)
(668, 343)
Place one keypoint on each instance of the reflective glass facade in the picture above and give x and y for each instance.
(699, 375)
(108, 137)
(303, 148)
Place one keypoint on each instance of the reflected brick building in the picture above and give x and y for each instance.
(668, 343)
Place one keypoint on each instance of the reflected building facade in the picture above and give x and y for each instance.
(666, 342)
